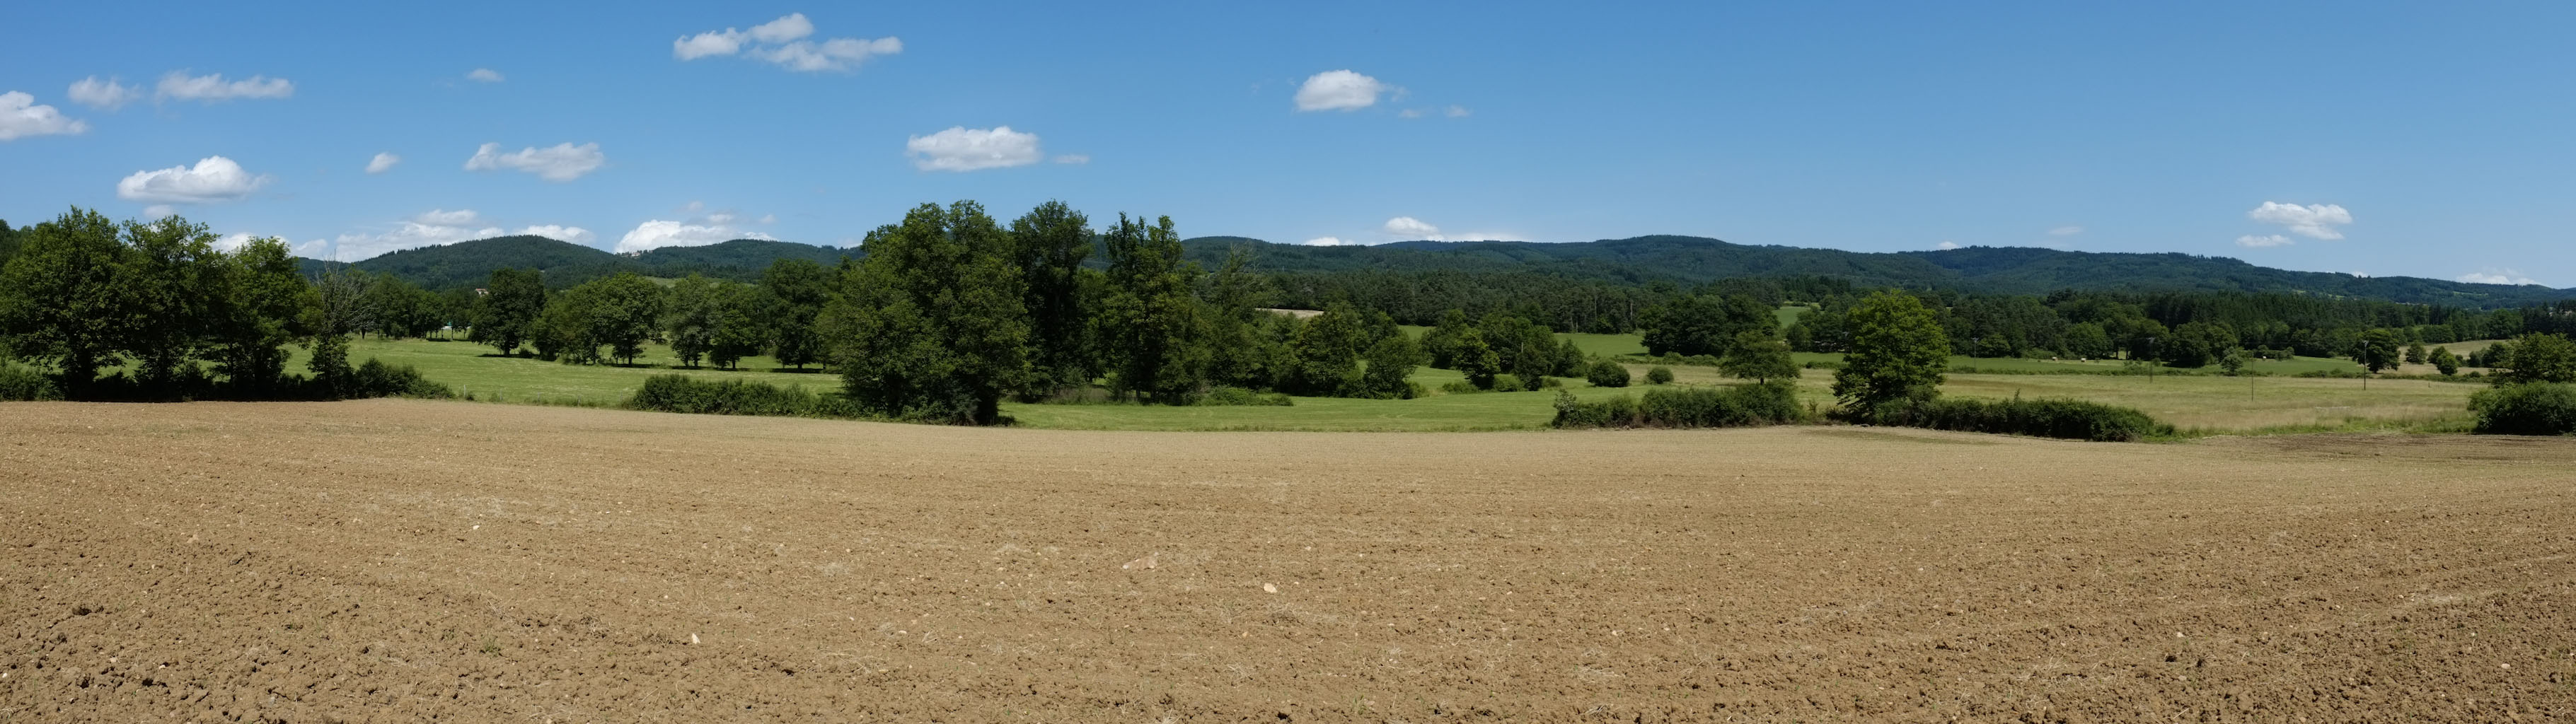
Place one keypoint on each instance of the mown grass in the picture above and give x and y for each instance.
(2198, 405)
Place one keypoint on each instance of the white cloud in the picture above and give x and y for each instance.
(783, 29)
(105, 95)
(970, 149)
(180, 85)
(20, 116)
(2066, 231)
(2493, 275)
(781, 41)
(486, 75)
(558, 163)
(1946, 245)
(1076, 159)
(1456, 111)
(557, 232)
(1329, 241)
(409, 235)
(2315, 221)
(214, 178)
(721, 217)
(1338, 90)
(443, 217)
(725, 42)
(159, 211)
(1407, 227)
(2265, 241)
(657, 234)
(233, 242)
(382, 162)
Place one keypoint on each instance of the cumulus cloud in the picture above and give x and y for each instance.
(214, 178)
(486, 75)
(782, 42)
(559, 163)
(20, 116)
(1328, 241)
(970, 149)
(1411, 228)
(2492, 275)
(104, 94)
(181, 86)
(656, 234)
(2315, 221)
(1946, 245)
(1338, 90)
(2251, 241)
(233, 242)
(2066, 231)
(382, 162)
(558, 232)
(411, 234)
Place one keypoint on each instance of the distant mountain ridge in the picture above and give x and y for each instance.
(1679, 259)
(470, 263)
(1997, 270)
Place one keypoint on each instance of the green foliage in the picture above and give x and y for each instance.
(2415, 353)
(1756, 356)
(377, 379)
(1735, 406)
(682, 393)
(792, 295)
(619, 312)
(2444, 361)
(20, 383)
(330, 366)
(1705, 324)
(2233, 363)
(1389, 365)
(693, 316)
(507, 313)
(1150, 321)
(1246, 346)
(1897, 352)
(2536, 408)
(1049, 244)
(1605, 373)
(2068, 419)
(1659, 375)
(1324, 355)
(2197, 344)
(931, 325)
(2539, 357)
(2377, 350)
(2086, 340)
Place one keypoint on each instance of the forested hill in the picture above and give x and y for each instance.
(470, 263)
(1994, 270)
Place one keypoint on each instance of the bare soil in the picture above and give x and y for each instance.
(410, 561)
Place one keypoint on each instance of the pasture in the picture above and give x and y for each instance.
(410, 560)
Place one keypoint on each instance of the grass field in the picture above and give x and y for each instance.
(2196, 403)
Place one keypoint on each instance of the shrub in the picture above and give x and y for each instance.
(682, 393)
(26, 384)
(1659, 375)
(1237, 396)
(2539, 408)
(1460, 387)
(1508, 383)
(1737, 406)
(1605, 373)
(377, 379)
(2068, 419)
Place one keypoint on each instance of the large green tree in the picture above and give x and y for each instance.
(1149, 322)
(61, 300)
(693, 316)
(2377, 350)
(1758, 357)
(2540, 357)
(1898, 351)
(794, 292)
(931, 325)
(262, 311)
(506, 315)
(1244, 344)
(1049, 244)
(172, 280)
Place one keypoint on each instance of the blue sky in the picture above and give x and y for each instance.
(2415, 139)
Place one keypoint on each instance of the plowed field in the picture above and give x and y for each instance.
(408, 561)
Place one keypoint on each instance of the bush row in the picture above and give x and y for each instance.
(22, 384)
(1237, 396)
(682, 393)
(373, 379)
(2540, 408)
(1736, 406)
(2069, 419)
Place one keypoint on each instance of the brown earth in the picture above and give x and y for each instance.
(410, 561)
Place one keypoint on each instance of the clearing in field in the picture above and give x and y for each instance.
(416, 560)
